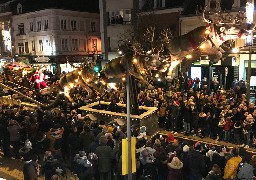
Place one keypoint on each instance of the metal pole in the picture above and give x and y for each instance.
(210, 75)
(249, 71)
(225, 82)
(248, 77)
(128, 107)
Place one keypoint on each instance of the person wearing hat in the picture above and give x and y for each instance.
(175, 169)
(105, 157)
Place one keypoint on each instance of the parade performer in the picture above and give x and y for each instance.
(40, 79)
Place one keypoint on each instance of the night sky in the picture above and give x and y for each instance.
(77, 5)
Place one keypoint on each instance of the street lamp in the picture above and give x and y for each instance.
(249, 16)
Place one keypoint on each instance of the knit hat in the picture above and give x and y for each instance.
(197, 146)
(28, 144)
(171, 138)
(143, 129)
(185, 148)
(110, 129)
(176, 163)
(176, 103)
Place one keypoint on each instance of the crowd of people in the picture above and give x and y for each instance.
(52, 141)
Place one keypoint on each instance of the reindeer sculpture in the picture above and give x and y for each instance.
(221, 29)
(82, 76)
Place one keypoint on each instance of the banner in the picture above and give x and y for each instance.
(125, 155)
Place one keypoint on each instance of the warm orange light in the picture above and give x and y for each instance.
(189, 56)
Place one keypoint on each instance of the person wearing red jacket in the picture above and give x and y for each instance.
(227, 128)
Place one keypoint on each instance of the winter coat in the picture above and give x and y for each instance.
(105, 157)
(245, 172)
(230, 170)
(175, 174)
(14, 131)
(29, 171)
(196, 165)
(187, 114)
(85, 139)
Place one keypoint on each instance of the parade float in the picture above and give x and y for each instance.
(141, 62)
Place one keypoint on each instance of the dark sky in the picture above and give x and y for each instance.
(79, 5)
(190, 6)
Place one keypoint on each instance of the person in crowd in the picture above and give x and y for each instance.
(187, 117)
(247, 129)
(227, 128)
(246, 169)
(175, 168)
(86, 138)
(162, 115)
(175, 111)
(215, 173)
(105, 157)
(196, 168)
(31, 168)
(14, 131)
(232, 165)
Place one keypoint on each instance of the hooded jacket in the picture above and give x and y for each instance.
(230, 170)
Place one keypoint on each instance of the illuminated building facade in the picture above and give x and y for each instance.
(55, 33)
